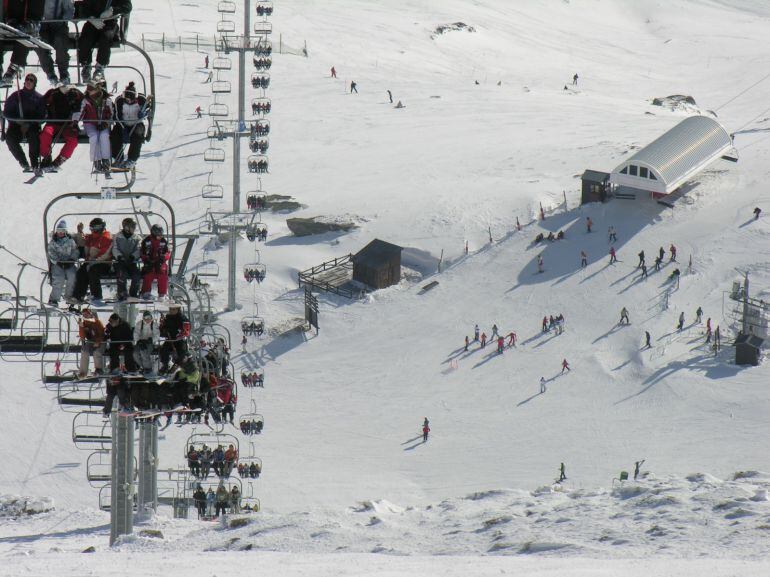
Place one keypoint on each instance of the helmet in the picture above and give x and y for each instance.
(146, 314)
(128, 222)
(61, 226)
(97, 224)
(156, 229)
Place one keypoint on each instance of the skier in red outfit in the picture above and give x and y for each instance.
(425, 431)
(564, 366)
(155, 254)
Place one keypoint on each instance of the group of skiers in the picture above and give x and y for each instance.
(252, 379)
(211, 505)
(132, 349)
(79, 261)
(201, 461)
(48, 20)
(497, 336)
(116, 131)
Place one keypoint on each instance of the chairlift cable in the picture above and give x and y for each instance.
(741, 93)
(16, 256)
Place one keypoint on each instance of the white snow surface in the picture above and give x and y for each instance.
(348, 487)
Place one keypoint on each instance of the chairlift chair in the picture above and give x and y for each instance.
(221, 63)
(256, 201)
(261, 106)
(252, 424)
(253, 325)
(260, 145)
(221, 87)
(249, 502)
(251, 379)
(214, 131)
(226, 26)
(260, 80)
(263, 28)
(262, 63)
(212, 191)
(257, 163)
(263, 47)
(254, 272)
(214, 154)
(249, 467)
(265, 8)
(218, 109)
(260, 128)
(226, 7)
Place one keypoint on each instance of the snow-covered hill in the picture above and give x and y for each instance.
(343, 409)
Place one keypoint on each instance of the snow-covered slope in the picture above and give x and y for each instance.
(343, 409)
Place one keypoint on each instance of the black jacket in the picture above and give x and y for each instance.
(94, 8)
(171, 326)
(123, 334)
(23, 10)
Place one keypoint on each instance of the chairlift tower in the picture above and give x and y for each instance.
(236, 129)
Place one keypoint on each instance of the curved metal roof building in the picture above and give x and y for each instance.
(673, 158)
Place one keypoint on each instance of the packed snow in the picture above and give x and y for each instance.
(488, 133)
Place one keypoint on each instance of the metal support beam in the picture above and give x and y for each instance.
(147, 497)
(122, 488)
(232, 247)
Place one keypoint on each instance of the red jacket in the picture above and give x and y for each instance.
(98, 246)
(154, 253)
(96, 113)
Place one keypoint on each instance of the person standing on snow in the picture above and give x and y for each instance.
(612, 235)
(583, 259)
(589, 224)
(353, 86)
(680, 325)
(641, 260)
(637, 468)
(466, 343)
(512, 339)
(699, 315)
(757, 212)
(661, 253)
(647, 344)
(476, 333)
(483, 340)
(644, 272)
(494, 331)
(574, 79)
(500, 344)
(545, 324)
(333, 72)
(672, 249)
(562, 474)
(565, 366)
(658, 262)
(542, 385)
(540, 263)
(390, 96)
(613, 257)
(624, 316)
(425, 431)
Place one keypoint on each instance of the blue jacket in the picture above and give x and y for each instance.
(25, 104)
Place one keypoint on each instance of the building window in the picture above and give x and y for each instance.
(652, 176)
(624, 171)
(643, 172)
(632, 170)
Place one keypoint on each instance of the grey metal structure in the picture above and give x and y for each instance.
(147, 496)
(674, 157)
(122, 493)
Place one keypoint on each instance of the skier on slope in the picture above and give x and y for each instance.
(699, 315)
(672, 250)
(565, 366)
(647, 344)
(476, 333)
(624, 316)
(425, 431)
(562, 474)
(613, 257)
(680, 325)
(542, 384)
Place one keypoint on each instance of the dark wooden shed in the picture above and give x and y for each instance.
(378, 264)
(595, 186)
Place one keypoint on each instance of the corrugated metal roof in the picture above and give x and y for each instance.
(376, 252)
(684, 150)
(595, 175)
